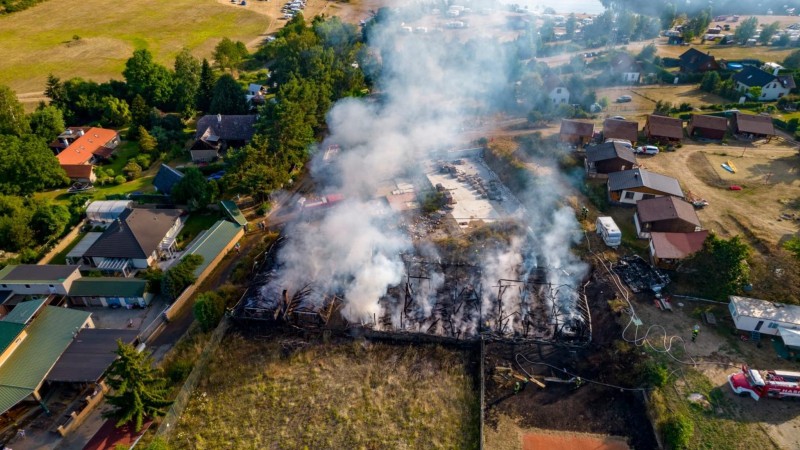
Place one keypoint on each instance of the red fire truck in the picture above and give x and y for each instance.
(765, 383)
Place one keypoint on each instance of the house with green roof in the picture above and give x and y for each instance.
(32, 279)
(214, 243)
(233, 212)
(32, 338)
(109, 291)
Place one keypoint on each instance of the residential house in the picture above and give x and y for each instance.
(33, 336)
(556, 90)
(665, 214)
(695, 61)
(233, 212)
(32, 279)
(621, 129)
(773, 86)
(136, 240)
(629, 186)
(255, 94)
(708, 127)
(85, 147)
(752, 315)
(576, 132)
(628, 70)
(667, 250)
(755, 126)
(105, 291)
(166, 178)
(609, 157)
(213, 244)
(216, 133)
(75, 256)
(663, 128)
(88, 357)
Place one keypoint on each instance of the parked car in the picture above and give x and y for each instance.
(624, 99)
(647, 150)
(617, 118)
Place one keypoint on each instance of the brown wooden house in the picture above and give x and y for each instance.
(665, 214)
(695, 61)
(609, 157)
(667, 250)
(576, 132)
(709, 127)
(621, 129)
(629, 186)
(663, 128)
(753, 126)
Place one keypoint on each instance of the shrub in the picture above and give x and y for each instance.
(656, 374)
(132, 170)
(208, 310)
(178, 370)
(678, 431)
(119, 179)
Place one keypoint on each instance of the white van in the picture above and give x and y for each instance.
(609, 231)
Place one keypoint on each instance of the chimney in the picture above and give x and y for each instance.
(219, 118)
(636, 175)
(119, 222)
(65, 142)
(80, 132)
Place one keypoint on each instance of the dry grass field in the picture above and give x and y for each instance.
(39, 40)
(294, 395)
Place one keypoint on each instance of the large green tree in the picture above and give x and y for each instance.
(254, 170)
(228, 98)
(12, 115)
(152, 81)
(139, 391)
(746, 30)
(49, 220)
(720, 267)
(711, 81)
(116, 112)
(229, 54)
(194, 190)
(187, 81)
(27, 165)
(793, 60)
(205, 89)
(47, 122)
(208, 309)
(767, 32)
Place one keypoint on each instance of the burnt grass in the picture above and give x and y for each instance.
(589, 408)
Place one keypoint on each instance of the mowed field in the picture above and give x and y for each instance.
(39, 40)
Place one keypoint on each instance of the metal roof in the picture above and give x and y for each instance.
(37, 273)
(212, 242)
(628, 179)
(84, 244)
(24, 311)
(8, 332)
(89, 355)
(108, 287)
(791, 338)
(610, 150)
(107, 209)
(48, 336)
(166, 178)
(763, 309)
(233, 212)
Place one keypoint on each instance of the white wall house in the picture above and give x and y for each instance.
(750, 314)
(630, 77)
(46, 279)
(773, 86)
(559, 95)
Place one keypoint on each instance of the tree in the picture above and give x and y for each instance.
(187, 81)
(784, 40)
(27, 165)
(755, 92)
(678, 431)
(139, 391)
(229, 54)
(55, 91)
(47, 122)
(720, 266)
(147, 143)
(767, 32)
(152, 81)
(711, 81)
(12, 114)
(571, 25)
(132, 170)
(228, 97)
(647, 53)
(194, 190)
(746, 30)
(49, 221)
(668, 16)
(208, 310)
(793, 60)
(116, 112)
(205, 90)
(180, 276)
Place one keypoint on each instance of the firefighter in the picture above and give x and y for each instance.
(695, 332)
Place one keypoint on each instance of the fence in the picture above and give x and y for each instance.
(63, 243)
(170, 421)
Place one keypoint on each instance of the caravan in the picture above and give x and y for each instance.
(609, 231)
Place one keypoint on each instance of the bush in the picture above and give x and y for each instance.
(119, 179)
(132, 170)
(178, 370)
(656, 374)
(208, 310)
(678, 431)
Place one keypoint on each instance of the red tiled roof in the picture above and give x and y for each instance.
(662, 126)
(91, 143)
(677, 245)
(75, 171)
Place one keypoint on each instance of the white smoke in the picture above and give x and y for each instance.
(430, 85)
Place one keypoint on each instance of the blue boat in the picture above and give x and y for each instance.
(728, 168)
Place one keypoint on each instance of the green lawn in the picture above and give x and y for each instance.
(61, 258)
(39, 40)
(125, 151)
(194, 225)
(143, 184)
